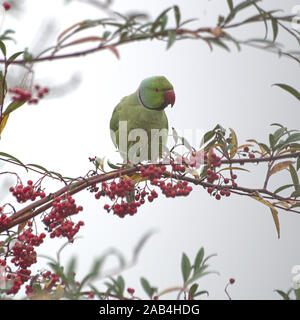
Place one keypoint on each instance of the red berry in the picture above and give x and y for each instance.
(233, 176)
(130, 290)
(231, 281)
(246, 149)
(218, 197)
(252, 155)
(6, 5)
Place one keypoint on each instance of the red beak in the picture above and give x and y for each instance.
(170, 97)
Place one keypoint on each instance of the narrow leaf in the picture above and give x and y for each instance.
(198, 259)
(112, 166)
(292, 138)
(283, 188)
(13, 106)
(177, 16)
(295, 177)
(284, 295)
(234, 142)
(185, 267)
(230, 4)
(3, 48)
(13, 57)
(289, 89)
(273, 211)
(3, 154)
(171, 39)
(280, 166)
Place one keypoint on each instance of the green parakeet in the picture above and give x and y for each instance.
(139, 125)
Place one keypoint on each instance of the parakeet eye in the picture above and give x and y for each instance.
(156, 90)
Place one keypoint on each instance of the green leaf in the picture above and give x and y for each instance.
(208, 135)
(295, 177)
(171, 39)
(177, 16)
(141, 244)
(121, 285)
(3, 85)
(292, 138)
(278, 134)
(298, 163)
(230, 4)
(157, 21)
(272, 141)
(39, 167)
(14, 57)
(199, 293)
(112, 166)
(241, 6)
(200, 273)
(147, 288)
(265, 147)
(295, 194)
(193, 290)
(3, 154)
(71, 269)
(297, 293)
(289, 89)
(198, 259)
(13, 106)
(3, 48)
(283, 188)
(274, 27)
(284, 295)
(219, 43)
(185, 267)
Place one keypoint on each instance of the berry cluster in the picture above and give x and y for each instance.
(213, 160)
(218, 193)
(51, 279)
(175, 189)
(4, 220)
(56, 221)
(25, 95)
(24, 255)
(23, 194)
(153, 172)
(116, 189)
(250, 154)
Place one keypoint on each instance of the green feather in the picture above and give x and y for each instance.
(137, 116)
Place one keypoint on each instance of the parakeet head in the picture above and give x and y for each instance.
(156, 93)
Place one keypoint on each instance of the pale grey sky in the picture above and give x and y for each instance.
(233, 89)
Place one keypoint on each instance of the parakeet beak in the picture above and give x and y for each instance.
(170, 97)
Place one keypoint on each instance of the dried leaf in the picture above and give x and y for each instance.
(234, 141)
(273, 211)
(114, 50)
(280, 166)
(4, 118)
